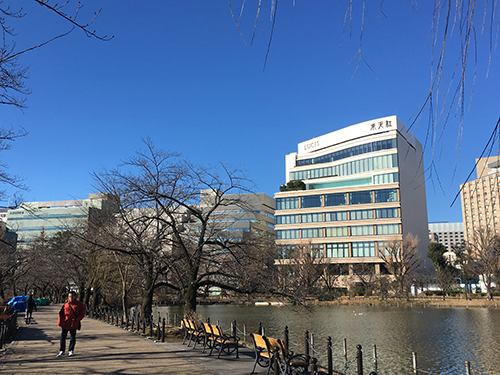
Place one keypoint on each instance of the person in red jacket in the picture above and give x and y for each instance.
(72, 312)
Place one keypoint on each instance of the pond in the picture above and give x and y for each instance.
(443, 338)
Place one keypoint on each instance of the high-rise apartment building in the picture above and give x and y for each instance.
(350, 191)
(480, 198)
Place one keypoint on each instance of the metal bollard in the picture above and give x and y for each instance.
(306, 343)
(158, 329)
(163, 331)
(314, 369)
(415, 368)
(359, 356)
(275, 362)
(151, 326)
(260, 329)
(329, 354)
(234, 328)
(244, 330)
(374, 353)
(143, 325)
(345, 349)
(467, 368)
(287, 338)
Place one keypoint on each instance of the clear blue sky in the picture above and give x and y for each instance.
(180, 73)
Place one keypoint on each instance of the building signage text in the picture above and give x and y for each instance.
(311, 145)
(380, 125)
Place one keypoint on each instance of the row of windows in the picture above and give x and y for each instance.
(338, 199)
(337, 250)
(359, 230)
(47, 217)
(346, 169)
(385, 144)
(380, 213)
(386, 178)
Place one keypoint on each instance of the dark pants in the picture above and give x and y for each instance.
(72, 341)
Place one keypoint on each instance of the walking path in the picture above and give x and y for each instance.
(102, 348)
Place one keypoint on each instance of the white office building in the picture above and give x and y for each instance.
(350, 191)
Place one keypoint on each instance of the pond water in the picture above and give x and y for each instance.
(443, 338)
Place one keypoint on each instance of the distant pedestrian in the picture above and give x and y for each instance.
(72, 312)
(30, 305)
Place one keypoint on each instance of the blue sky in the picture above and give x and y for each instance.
(180, 73)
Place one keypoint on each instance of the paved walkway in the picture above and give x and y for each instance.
(102, 348)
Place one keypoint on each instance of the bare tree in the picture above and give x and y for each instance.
(485, 253)
(169, 223)
(464, 262)
(401, 260)
(364, 275)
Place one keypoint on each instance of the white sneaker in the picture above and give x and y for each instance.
(71, 353)
(60, 354)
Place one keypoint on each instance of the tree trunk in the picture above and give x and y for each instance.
(147, 298)
(190, 299)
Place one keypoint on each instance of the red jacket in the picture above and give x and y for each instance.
(69, 320)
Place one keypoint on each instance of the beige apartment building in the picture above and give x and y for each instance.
(480, 198)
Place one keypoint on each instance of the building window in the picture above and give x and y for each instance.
(362, 230)
(361, 215)
(336, 232)
(312, 218)
(338, 199)
(287, 219)
(388, 229)
(386, 195)
(287, 203)
(288, 234)
(363, 249)
(312, 233)
(337, 250)
(310, 201)
(336, 216)
(384, 213)
(360, 197)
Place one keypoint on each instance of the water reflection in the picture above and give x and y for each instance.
(442, 338)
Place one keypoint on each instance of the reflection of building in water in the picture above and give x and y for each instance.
(31, 218)
(480, 198)
(350, 191)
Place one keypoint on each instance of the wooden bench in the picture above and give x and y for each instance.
(192, 331)
(269, 350)
(216, 339)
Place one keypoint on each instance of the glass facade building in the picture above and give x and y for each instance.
(363, 186)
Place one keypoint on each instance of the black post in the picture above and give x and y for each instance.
(158, 328)
(126, 321)
(151, 325)
(163, 331)
(330, 356)
(287, 338)
(314, 370)
(132, 325)
(143, 325)
(307, 343)
(276, 362)
(234, 328)
(359, 356)
(260, 328)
